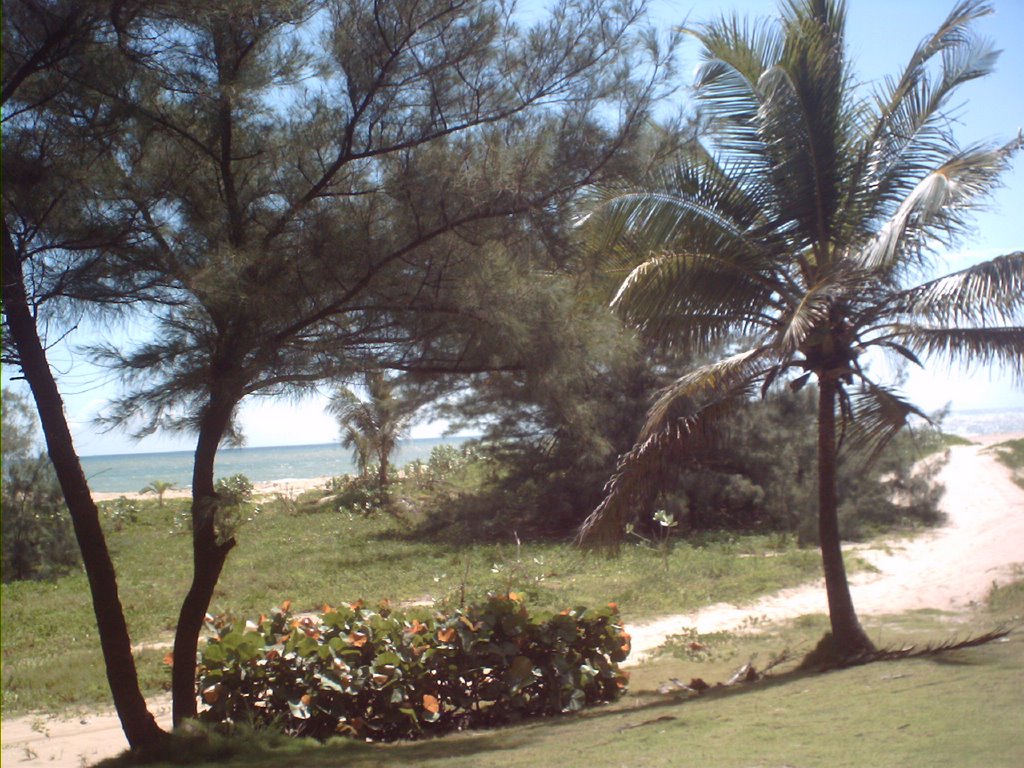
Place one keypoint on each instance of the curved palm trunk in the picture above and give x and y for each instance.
(208, 558)
(848, 635)
(139, 726)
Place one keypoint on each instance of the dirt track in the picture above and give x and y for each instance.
(949, 569)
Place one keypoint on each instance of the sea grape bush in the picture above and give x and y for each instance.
(382, 675)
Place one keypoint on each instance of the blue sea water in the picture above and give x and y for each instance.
(129, 473)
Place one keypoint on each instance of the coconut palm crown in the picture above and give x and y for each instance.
(373, 427)
(803, 225)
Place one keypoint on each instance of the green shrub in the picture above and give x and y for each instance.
(37, 536)
(359, 495)
(235, 490)
(381, 675)
(122, 511)
(38, 539)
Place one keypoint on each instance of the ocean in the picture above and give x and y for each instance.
(131, 472)
(988, 421)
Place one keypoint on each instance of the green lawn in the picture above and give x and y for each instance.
(51, 658)
(963, 708)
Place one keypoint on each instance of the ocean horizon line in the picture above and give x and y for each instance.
(333, 443)
(131, 472)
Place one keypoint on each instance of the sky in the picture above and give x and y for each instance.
(881, 35)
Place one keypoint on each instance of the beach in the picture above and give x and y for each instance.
(289, 487)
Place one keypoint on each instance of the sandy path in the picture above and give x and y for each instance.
(948, 568)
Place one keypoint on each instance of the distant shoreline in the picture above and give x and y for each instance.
(271, 469)
(293, 486)
(289, 486)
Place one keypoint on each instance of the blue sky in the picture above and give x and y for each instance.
(881, 36)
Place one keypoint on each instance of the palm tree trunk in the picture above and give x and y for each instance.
(208, 558)
(848, 636)
(137, 722)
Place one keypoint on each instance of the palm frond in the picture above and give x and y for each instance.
(905, 132)
(644, 470)
(935, 210)
(806, 115)
(988, 293)
(733, 375)
(981, 346)
(695, 259)
(736, 53)
(708, 291)
(876, 415)
(684, 421)
(811, 311)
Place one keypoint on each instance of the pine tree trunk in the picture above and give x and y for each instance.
(848, 635)
(208, 558)
(139, 726)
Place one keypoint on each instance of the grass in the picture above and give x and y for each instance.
(961, 708)
(1011, 454)
(51, 658)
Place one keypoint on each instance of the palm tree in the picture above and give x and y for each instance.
(373, 427)
(797, 228)
(159, 487)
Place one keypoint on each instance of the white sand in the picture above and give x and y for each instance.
(950, 568)
(289, 486)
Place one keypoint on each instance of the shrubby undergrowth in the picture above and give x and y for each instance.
(385, 675)
(38, 539)
(761, 478)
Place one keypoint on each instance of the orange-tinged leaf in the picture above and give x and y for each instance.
(357, 604)
(358, 639)
(613, 606)
(417, 627)
(627, 641)
(286, 605)
(306, 699)
(169, 659)
(326, 608)
(431, 704)
(516, 597)
(446, 635)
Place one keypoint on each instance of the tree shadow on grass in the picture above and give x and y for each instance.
(271, 750)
